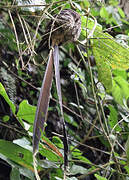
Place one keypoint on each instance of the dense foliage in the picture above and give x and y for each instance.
(95, 92)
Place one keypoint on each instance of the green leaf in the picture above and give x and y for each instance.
(103, 140)
(15, 174)
(47, 164)
(89, 26)
(110, 51)
(100, 177)
(23, 170)
(23, 142)
(17, 154)
(117, 93)
(57, 172)
(104, 13)
(104, 71)
(120, 90)
(26, 112)
(113, 118)
(51, 146)
(5, 118)
(50, 151)
(70, 120)
(8, 37)
(127, 168)
(5, 96)
(86, 3)
(76, 169)
(78, 154)
(50, 154)
(120, 72)
(121, 12)
(124, 85)
(57, 141)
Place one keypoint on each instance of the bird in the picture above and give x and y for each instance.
(62, 28)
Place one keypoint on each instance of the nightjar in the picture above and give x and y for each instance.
(63, 27)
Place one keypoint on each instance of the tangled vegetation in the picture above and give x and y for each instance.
(95, 92)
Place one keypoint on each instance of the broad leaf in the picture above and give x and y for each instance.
(120, 90)
(113, 53)
(26, 111)
(124, 85)
(108, 54)
(17, 154)
(23, 170)
(104, 71)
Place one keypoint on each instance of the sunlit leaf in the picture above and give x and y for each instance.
(120, 72)
(117, 94)
(127, 168)
(78, 154)
(70, 120)
(26, 111)
(52, 146)
(104, 71)
(57, 141)
(120, 90)
(5, 118)
(100, 177)
(17, 154)
(104, 13)
(110, 51)
(50, 154)
(23, 142)
(5, 96)
(124, 85)
(121, 12)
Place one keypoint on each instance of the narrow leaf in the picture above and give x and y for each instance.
(52, 146)
(100, 177)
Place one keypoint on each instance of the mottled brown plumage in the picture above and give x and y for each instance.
(64, 27)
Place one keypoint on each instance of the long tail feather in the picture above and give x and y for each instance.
(58, 86)
(43, 102)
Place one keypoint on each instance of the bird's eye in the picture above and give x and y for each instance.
(76, 19)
